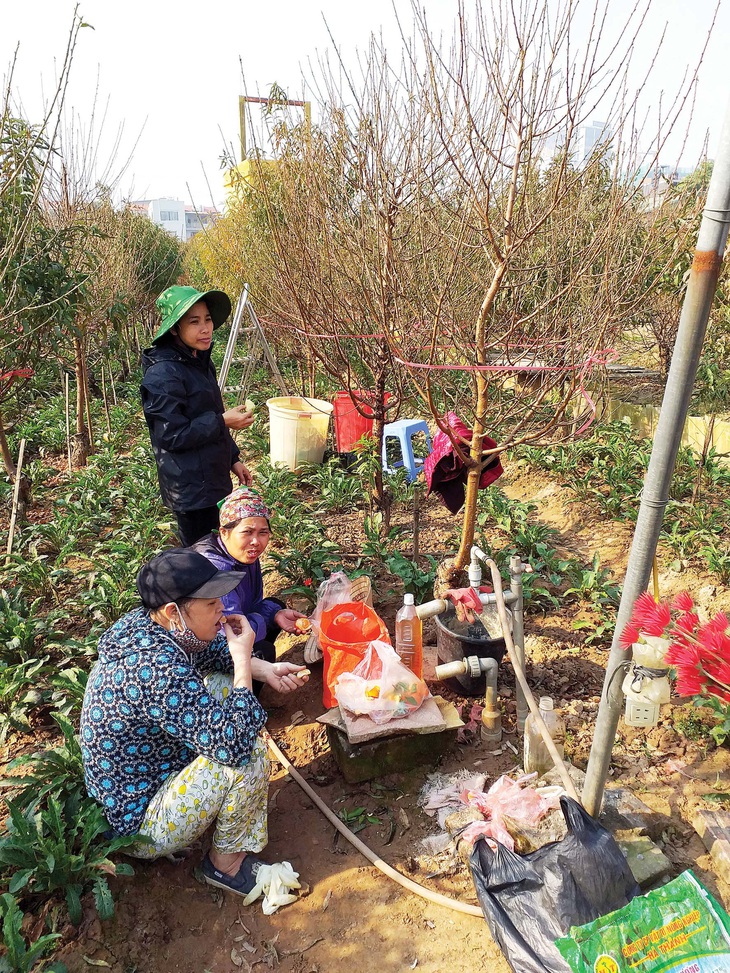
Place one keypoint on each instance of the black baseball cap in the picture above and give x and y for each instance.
(182, 573)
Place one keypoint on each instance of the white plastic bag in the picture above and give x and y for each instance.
(380, 686)
(336, 590)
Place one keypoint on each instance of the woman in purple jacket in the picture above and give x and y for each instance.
(243, 537)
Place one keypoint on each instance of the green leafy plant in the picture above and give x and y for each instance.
(19, 956)
(57, 772)
(416, 578)
(62, 849)
(376, 546)
(276, 484)
(718, 561)
(335, 489)
(20, 624)
(20, 694)
(68, 687)
(720, 732)
(308, 570)
(593, 584)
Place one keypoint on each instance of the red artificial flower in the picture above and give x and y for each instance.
(719, 672)
(683, 602)
(700, 653)
(723, 694)
(648, 618)
(652, 617)
(629, 635)
(687, 661)
(308, 582)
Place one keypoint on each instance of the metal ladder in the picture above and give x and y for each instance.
(258, 350)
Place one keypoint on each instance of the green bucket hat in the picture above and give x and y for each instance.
(176, 301)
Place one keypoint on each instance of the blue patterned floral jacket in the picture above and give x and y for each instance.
(147, 714)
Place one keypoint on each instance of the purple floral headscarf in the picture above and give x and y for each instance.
(243, 502)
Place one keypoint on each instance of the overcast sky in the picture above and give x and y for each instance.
(172, 72)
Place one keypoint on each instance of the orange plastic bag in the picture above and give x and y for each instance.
(345, 632)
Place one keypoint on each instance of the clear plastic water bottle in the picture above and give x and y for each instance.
(537, 756)
(409, 637)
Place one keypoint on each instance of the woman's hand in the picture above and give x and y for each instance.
(281, 676)
(242, 472)
(238, 417)
(240, 638)
(286, 619)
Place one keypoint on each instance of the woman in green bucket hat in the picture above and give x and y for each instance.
(189, 426)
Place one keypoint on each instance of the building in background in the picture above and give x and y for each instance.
(174, 216)
(584, 141)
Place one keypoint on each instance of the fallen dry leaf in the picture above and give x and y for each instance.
(327, 900)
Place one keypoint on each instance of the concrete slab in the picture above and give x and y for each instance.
(714, 829)
(648, 864)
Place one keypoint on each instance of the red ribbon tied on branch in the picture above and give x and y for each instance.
(14, 375)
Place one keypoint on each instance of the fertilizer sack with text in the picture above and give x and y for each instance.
(679, 928)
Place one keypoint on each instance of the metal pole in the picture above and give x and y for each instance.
(675, 405)
(232, 338)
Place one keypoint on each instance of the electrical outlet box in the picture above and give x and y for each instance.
(640, 713)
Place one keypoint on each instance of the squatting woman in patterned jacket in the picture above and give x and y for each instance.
(170, 740)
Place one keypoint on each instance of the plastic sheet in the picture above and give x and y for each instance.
(506, 800)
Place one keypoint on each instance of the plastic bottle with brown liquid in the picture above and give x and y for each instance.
(409, 637)
(537, 756)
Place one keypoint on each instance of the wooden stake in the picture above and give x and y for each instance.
(114, 388)
(87, 400)
(106, 404)
(68, 422)
(16, 495)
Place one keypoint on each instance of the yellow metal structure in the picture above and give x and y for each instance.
(249, 172)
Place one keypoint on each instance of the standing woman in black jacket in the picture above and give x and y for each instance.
(189, 426)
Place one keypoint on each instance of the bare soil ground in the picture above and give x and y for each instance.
(354, 918)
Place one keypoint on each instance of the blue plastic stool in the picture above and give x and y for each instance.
(403, 430)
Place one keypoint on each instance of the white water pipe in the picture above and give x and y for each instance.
(383, 866)
(439, 605)
(474, 666)
(522, 681)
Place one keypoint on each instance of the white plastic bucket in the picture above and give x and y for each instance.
(297, 430)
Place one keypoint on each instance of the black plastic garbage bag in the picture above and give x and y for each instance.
(531, 900)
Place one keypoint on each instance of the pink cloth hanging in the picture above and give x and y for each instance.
(446, 473)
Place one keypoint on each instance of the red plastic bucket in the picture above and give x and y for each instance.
(350, 426)
(345, 631)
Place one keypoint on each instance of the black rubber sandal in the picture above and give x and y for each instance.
(243, 882)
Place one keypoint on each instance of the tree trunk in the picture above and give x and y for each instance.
(80, 444)
(24, 487)
(5, 450)
(381, 496)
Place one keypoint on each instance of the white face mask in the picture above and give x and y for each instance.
(186, 637)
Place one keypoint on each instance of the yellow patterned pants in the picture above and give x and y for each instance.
(186, 805)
